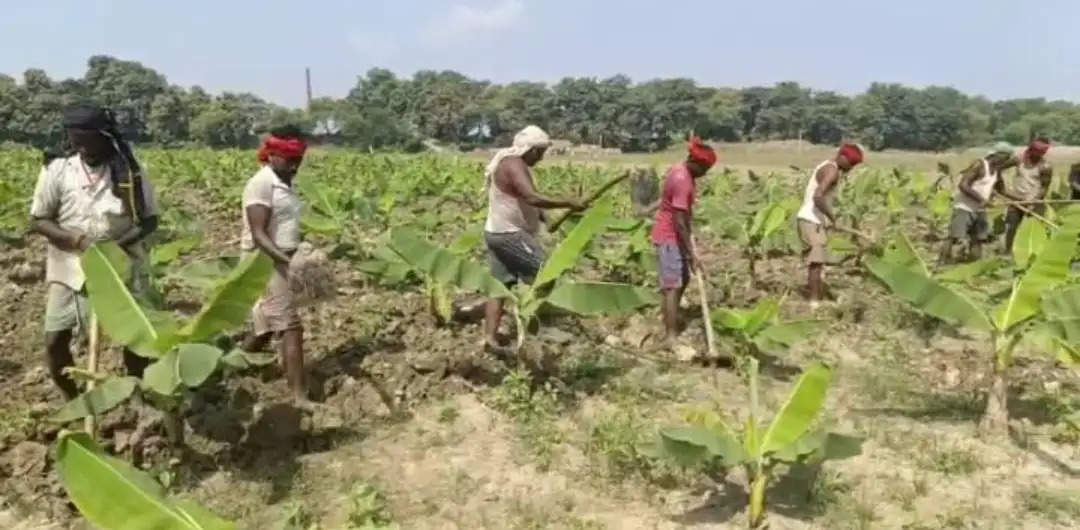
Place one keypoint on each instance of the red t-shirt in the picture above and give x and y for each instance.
(678, 194)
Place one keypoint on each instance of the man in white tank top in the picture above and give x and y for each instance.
(513, 221)
(978, 183)
(1033, 176)
(816, 214)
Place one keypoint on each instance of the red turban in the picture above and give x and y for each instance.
(852, 153)
(701, 153)
(283, 147)
(1039, 147)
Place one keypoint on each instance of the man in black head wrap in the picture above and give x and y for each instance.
(96, 192)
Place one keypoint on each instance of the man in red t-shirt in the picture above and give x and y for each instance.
(676, 256)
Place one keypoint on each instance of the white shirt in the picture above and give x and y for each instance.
(809, 210)
(266, 189)
(983, 187)
(80, 200)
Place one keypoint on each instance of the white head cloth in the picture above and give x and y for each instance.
(529, 137)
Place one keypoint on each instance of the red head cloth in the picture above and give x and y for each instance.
(852, 153)
(283, 147)
(701, 153)
(1039, 147)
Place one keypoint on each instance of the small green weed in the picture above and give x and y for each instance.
(449, 414)
(952, 461)
(369, 510)
(828, 490)
(1057, 505)
(534, 411)
(614, 442)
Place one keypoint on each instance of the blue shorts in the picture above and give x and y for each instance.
(674, 274)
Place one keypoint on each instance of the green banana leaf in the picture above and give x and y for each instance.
(691, 445)
(762, 314)
(242, 360)
(103, 398)
(107, 269)
(1030, 240)
(1049, 269)
(167, 253)
(901, 252)
(387, 266)
(968, 272)
(196, 362)
(819, 445)
(799, 412)
(566, 255)
(204, 274)
(767, 221)
(788, 334)
(467, 241)
(929, 296)
(113, 495)
(729, 319)
(596, 298)
(231, 301)
(1062, 309)
(444, 266)
(162, 376)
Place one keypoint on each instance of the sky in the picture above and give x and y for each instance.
(997, 48)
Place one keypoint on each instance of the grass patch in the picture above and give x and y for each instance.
(535, 411)
(827, 492)
(614, 446)
(449, 414)
(951, 460)
(1057, 505)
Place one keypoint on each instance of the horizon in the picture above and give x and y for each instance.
(519, 40)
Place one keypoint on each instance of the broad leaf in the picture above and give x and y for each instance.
(901, 252)
(928, 295)
(467, 241)
(566, 255)
(762, 314)
(624, 225)
(103, 398)
(1062, 307)
(444, 266)
(789, 333)
(167, 253)
(231, 301)
(594, 298)
(1030, 240)
(731, 319)
(113, 495)
(387, 266)
(205, 274)
(196, 362)
(1050, 269)
(799, 412)
(241, 359)
(162, 376)
(968, 272)
(690, 445)
(107, 269)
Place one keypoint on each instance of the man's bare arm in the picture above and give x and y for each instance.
(59, 237)
(518, 175)
(999, 187)
(827, 178)
(1046, 176)
(967, 180)
(138, 233)
(645, 211)
(682, 236)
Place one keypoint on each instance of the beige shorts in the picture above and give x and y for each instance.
(66, 309)
(816, 241)
(275, 312)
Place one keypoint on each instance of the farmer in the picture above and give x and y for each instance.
(513, 220)
(676, 256)
(96, 191)
(1033, 176)
(271, 224)
(816, 213)
(1074, 181)
(977, 185)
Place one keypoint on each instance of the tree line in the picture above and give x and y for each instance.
(384, 111)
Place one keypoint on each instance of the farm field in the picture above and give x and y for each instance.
(421, 429)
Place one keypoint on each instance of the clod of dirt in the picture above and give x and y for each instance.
(426, 362)
(613, 341)
(277, 426)
(684, 353)
(27, 459)
(25, 273)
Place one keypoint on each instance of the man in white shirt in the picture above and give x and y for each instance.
(96, 193)
(271, 224)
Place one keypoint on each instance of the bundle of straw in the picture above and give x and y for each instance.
(311, 277)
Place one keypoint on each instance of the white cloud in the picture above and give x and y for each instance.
(468, 22)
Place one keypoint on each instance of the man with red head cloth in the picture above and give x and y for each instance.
(1033, 176)
(676, 256)
(816, 215)
(271, 213)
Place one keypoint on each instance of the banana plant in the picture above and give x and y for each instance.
(1004, 323)
(182, 351)
(765, 222)
(582, 298)
(113, 495)
(760, 329)
(794, 436)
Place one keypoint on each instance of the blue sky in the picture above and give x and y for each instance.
(999, 48)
